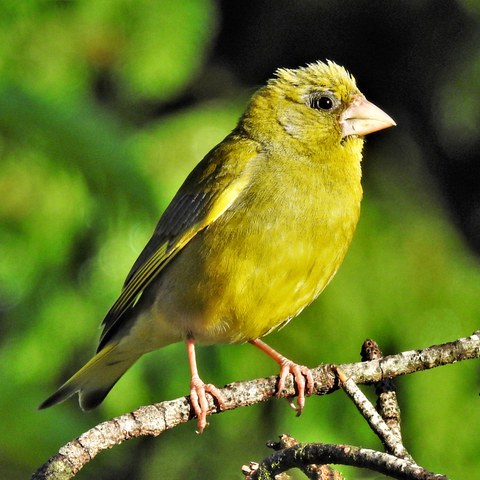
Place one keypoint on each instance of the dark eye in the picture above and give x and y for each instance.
(323, 101)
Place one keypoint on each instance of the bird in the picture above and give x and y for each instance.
(254, 234)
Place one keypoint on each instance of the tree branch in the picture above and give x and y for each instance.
(154, 419)
(312, 471)
(302, 455)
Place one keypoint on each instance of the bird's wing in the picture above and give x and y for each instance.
(208, 191)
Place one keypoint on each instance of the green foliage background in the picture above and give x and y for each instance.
(81, 189)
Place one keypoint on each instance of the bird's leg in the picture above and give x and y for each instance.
(301, 374)
(198, 388)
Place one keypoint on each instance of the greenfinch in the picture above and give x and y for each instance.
(255, 233)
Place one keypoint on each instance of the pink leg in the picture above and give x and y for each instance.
(302, 375)
(198, 399)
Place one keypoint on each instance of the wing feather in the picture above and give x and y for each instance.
(198, 203)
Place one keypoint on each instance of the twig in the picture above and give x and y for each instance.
(155, 419)
(387, 404)
(374, 419)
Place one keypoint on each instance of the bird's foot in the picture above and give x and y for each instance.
(303, 379)
(302, 375)
(199, 402)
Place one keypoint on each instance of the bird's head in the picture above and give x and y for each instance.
(319, 104)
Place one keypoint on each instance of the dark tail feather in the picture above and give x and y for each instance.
(95, 379)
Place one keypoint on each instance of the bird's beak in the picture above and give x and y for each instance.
(363, 117)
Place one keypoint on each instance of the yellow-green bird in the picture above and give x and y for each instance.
(255, 233)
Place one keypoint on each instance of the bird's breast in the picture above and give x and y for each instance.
(266, 258)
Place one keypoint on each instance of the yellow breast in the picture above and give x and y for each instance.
(269, 255)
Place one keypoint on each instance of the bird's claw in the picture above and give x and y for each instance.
(199, 402)
(303, 379)
(291, 403)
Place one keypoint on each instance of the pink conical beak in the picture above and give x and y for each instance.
(363, 117)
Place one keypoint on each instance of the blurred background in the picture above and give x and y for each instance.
(105, 107)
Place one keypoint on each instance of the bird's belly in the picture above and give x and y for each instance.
(229, 286)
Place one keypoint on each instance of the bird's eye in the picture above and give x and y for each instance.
(323, 101)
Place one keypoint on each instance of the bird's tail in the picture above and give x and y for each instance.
(96, 378)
